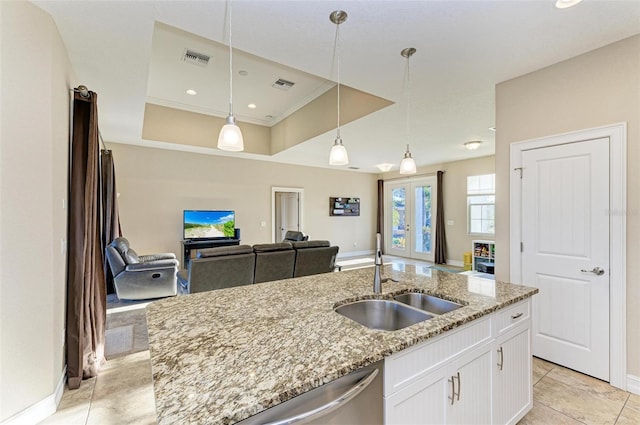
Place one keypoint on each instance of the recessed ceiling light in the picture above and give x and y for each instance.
(252, 106)
(269, 117)
(192, 92)
(563, 4)
(474, 144)
(384, 167)
(243, 72)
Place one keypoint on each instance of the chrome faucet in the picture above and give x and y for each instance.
(377, 279)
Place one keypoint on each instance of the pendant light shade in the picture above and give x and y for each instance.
(230, 137)
(338, 154)
(408, 165)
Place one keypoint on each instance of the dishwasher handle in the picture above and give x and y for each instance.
(326, 408)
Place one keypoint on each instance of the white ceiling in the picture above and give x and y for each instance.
(463, 48)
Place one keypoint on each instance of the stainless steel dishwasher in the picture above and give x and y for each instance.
(353, 399)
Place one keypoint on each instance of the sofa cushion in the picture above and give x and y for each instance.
(310, 244)
(131, 257)
(267, 247)
(225, 250)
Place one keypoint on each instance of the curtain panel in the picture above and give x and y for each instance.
(441, 239)
(86, 291)
(110, 218)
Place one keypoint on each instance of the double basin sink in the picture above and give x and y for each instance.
(404, 310)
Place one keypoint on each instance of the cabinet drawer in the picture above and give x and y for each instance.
(512, 316)
(416, 361)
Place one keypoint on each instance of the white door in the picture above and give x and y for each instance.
(287, 213)
(565, 231)
(410, 222)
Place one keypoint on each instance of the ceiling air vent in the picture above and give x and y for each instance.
(282, 84)
(195, 58)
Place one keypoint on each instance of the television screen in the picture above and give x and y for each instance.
(208, 224)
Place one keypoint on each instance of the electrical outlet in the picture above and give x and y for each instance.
(355, 244)
(449, 222)
(263, 224)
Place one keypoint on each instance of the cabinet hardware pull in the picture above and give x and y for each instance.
(515, 316)
(458, 386)
(501, 363)
(453, 390)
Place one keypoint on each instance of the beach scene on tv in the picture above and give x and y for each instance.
(209, 224)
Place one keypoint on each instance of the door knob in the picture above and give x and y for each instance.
(598, 271)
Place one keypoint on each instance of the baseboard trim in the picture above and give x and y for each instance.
(455, 263)
(42, 409)
(633, 384)
(354, 254)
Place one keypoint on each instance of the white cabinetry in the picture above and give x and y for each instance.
(456, 378)
(483, 252)
(512, 387)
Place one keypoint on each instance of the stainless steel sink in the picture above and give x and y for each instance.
(428, 303)
(385, 315)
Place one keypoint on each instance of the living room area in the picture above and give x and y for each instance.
(552, 91)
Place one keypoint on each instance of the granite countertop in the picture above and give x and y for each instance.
(222, 356)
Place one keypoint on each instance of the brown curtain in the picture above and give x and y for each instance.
(380, 213)
(441, 239)
(110, 219)
(86, 292)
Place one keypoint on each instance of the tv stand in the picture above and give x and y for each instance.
(189, 245)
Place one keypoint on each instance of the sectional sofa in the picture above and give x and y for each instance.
(224, 267)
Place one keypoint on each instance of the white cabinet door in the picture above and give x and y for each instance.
(512, 386)
(470, 385)
(421, 402)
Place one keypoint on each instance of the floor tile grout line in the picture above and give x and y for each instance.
(623, 406)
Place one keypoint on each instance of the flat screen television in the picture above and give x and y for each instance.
(200, 224)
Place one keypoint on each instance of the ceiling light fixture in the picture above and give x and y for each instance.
(384, 167)
(473, 145)
(408, 165)
(338, 154)
(492, 128)
(252, 106)
(192, 92)
(230, 137)
(563, 4)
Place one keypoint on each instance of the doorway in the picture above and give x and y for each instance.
(566, 241)
(410, 218)
(286, 211)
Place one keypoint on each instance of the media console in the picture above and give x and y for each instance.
(188, 245)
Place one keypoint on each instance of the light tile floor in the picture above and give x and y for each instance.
(123, 392)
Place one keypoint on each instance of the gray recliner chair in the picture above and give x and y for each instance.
(274, 261)
(139, 277)
(293, 236)
(314, 257)
(223, 267)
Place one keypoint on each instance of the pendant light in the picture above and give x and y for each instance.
(230, 137)
(338, 155)
(408, 165)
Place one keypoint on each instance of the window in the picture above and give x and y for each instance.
(481, 200)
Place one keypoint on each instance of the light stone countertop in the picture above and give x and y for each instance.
(222, 356)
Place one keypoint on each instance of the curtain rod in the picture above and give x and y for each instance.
(413, 176)
(84, 92)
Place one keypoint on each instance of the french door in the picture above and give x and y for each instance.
(410, 218)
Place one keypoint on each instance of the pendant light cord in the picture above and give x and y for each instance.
(337, 49)
(230, 65)
(408, 89)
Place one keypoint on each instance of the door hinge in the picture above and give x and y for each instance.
(521, 247)
(520, 169)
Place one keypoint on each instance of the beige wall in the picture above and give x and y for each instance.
(35, 77)
(598, 88)
(455, 199)
(155, 185)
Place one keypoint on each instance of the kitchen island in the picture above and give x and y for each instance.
(222, 356)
